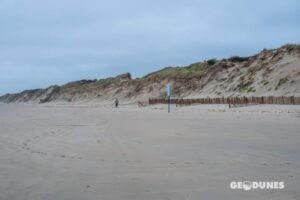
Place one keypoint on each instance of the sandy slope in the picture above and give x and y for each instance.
(76, 152)
(274, 72)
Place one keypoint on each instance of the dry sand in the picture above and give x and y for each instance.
(88, 152)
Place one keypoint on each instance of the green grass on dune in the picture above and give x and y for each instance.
(195, 70)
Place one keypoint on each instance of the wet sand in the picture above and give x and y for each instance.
(86, 151)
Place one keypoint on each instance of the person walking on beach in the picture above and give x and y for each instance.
(116, 103)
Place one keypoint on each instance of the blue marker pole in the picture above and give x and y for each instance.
(169, 104)
(168, 89)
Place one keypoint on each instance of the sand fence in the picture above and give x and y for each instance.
(231, 101)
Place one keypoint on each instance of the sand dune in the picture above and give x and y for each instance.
(273, 72)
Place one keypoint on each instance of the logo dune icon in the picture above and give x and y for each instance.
(247, 185)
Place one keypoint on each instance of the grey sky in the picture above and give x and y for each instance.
(54, 42)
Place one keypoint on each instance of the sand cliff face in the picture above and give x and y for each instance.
(271, 72)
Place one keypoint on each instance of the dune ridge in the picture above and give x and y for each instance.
(271, 72)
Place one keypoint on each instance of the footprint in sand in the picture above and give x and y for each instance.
(38, 152)
(26, 148)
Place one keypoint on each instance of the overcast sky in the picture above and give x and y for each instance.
(45, 42)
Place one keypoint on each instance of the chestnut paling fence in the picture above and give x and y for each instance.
(232, 101)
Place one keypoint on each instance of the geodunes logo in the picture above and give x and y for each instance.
(252, 185)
